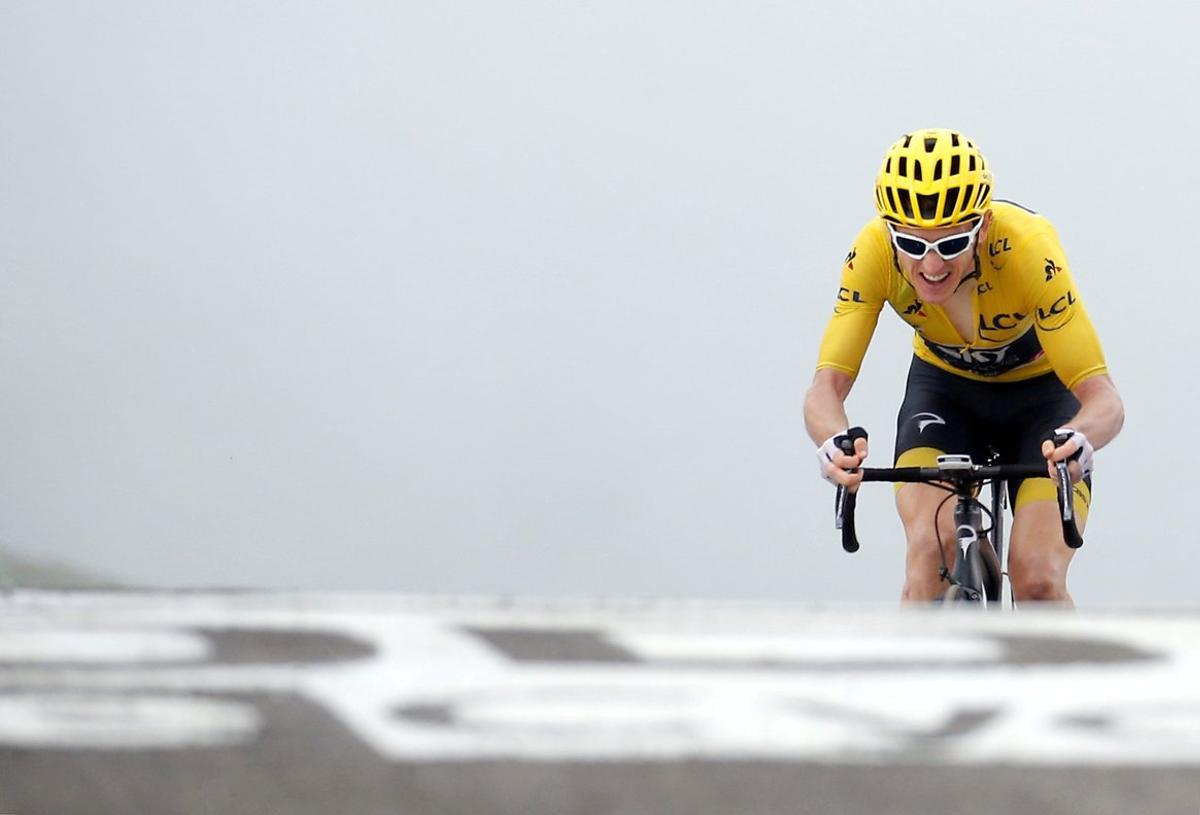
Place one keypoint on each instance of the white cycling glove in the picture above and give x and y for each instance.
(1084, 451)
(825, 456)
(825, 451)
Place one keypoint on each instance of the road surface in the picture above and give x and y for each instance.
(267, 702)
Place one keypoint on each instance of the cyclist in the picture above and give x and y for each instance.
(1005, 354)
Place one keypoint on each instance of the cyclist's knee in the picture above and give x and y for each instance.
(923, 565)
(921, 591)
(917, 505)
(1038, 580)
(922, 557)
(922, 541)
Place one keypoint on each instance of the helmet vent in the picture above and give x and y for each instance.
(902, 168)
(954, 140)
(937, 170)
(908, 140)
(955, 164)
(971, 163)
(967, 193)
(928, 205)
(951, 202)
(905, 202)
(917, 170)
(930, 144)
(891, 199)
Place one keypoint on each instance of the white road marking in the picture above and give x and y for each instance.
(734, 684)
(99, 646)
(749, 647)
(111, 722)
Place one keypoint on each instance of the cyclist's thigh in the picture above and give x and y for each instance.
(1045, 491)
(917, 504)
(933, 419)
(930, 422)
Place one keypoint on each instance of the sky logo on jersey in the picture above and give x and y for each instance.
(988, 361)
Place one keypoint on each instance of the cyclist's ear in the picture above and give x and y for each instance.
(983, 229)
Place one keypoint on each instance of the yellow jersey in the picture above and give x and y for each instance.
(1029, 318)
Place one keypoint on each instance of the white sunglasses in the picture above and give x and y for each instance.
(948, 248)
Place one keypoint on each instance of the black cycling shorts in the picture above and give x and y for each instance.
(953, 414)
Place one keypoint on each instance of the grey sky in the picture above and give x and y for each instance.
(524, 297)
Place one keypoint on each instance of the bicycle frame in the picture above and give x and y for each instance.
(978, 573)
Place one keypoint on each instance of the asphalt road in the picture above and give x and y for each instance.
(299, 703)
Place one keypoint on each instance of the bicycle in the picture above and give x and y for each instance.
(979, 568)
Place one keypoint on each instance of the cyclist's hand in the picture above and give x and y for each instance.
(835, 464)
(1075, 449)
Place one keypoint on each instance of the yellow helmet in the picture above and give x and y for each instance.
(933, 178)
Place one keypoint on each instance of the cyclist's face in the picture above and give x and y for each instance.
(935, 278)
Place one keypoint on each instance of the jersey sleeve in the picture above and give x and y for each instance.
(1064, 327)
(860, 297)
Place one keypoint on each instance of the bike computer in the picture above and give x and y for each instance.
(954, 461)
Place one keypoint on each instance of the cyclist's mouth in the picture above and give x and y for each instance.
(934, 281)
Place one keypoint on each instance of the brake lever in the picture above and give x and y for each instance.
(844, 501)
(1066, 500)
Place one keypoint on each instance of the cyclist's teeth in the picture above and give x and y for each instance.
(939, 279)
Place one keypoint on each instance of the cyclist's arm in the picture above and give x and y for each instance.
(1100, 416)
(825, 417)
(860, 297)
(1073, 347)
(824, 404)
(863, 289)
(1101, 411)
(1063, 324)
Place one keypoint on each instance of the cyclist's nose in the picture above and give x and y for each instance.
(932, 264)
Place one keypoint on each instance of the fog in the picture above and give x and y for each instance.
(523, 297)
